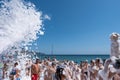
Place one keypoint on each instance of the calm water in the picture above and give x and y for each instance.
(76, 58)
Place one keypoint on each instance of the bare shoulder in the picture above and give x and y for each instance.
(33, 65)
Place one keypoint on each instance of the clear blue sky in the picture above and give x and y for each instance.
(78, 26)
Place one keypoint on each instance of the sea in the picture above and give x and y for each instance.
(75, 58)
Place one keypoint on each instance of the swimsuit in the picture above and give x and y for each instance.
(35, 77)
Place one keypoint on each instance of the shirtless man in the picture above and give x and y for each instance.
(35, 70)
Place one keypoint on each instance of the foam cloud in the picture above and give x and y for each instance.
(47, 17)
(19, 22)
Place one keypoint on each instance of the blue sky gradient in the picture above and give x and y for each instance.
(78, 26)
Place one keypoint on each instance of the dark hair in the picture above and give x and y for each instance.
(117, 64)
(59, 73)
(16, 64)
(37, 60)
(98, 60)
(53, 64)
(86, 73)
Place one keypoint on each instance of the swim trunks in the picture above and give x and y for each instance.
(35, 77)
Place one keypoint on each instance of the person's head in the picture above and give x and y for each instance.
(48, 58)
(97, 61)
(29, 61)
(5, 64)
(92, 62)
(47, 63)
(114, 36)
(37, 61)
(53, 64)
(86, 62)
(72, 63)
(15, 64)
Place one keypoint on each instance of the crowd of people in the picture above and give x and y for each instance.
(52, 69)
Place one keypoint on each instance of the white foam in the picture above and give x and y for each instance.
(19, 22)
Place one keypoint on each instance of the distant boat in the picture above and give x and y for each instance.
(52, 49)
